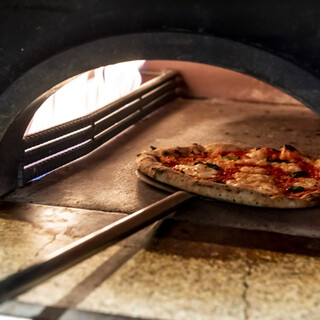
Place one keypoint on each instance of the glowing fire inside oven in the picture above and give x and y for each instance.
(88, 92)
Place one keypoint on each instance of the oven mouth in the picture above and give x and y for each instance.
(56, 146)
(53, 148)
(44, 151)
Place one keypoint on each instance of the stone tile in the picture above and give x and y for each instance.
(23, 243)
(282, 286)
(55, 289)
(29, 232)
(206, 281)
(20, 244)
(159, 285)
(170, 279)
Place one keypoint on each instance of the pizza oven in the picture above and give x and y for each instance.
(46, 56)
(233, 72)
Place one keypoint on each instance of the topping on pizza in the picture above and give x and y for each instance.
(266, 170)
(278, 174)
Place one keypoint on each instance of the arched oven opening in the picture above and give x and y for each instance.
(55, 137)
(206, 80)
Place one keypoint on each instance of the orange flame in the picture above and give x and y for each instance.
(88, 92)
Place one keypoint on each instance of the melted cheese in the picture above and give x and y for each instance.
(256, 181)
(253, 170)
(199, 170)
(262, 162)
(307, 183)
(286, 167)
(224, 163)
(257, 154)
(317, 164)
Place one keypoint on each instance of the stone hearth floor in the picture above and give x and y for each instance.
(151, 277)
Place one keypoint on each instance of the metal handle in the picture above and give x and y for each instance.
(87, 246)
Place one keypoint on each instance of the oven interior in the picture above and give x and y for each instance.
(211, 105)
(208, 260)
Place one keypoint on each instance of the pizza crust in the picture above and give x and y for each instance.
(149, 164)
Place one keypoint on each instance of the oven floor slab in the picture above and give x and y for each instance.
(106, 179)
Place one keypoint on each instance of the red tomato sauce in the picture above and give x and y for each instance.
(283, 180)
(312, 171)
(226, 174)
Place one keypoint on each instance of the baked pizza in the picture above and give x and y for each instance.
(263, 177)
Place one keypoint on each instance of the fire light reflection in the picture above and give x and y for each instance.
(88, 92)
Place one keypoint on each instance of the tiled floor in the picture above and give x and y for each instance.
(167, 279)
